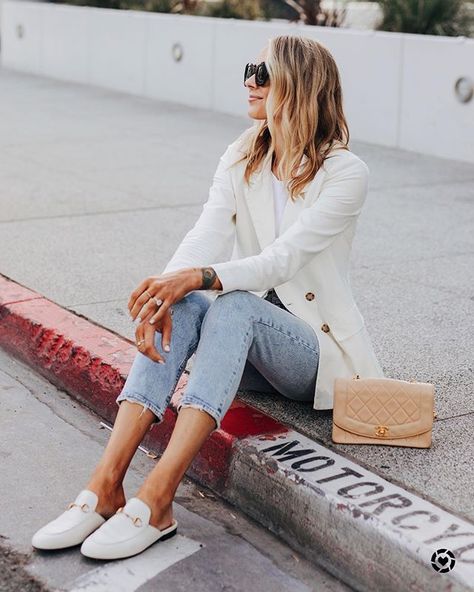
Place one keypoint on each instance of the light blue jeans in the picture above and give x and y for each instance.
(241, 342)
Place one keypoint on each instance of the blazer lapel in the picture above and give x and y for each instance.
(259, 198)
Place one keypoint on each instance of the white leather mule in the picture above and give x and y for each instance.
(72, 526)
(126, 533)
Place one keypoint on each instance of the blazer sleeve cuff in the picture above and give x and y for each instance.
(241, 274)
(228, 275)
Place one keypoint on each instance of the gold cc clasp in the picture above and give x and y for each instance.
(381, 430)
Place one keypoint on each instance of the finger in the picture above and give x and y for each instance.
(146, 310)
(138, 303)
(142, 286)
(144, 306)
(145, 317)
(149, 314)
(150, 349)
(166, 332)
(160, 313)
(139, 337)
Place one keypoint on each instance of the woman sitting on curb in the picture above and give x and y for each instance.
(258, 290)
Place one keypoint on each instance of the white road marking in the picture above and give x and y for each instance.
(126, 575)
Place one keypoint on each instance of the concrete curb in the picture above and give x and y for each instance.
(360, 527)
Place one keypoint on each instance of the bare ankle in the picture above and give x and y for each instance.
(107, 482)
(160, 497)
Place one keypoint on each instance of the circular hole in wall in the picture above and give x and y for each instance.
(464, 89)
(177, 52)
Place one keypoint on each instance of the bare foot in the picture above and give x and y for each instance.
(161, 510)
(111, 498)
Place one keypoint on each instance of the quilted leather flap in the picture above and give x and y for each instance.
(383, 407)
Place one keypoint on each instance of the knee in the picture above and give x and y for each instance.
(238, 298)
(232, 309)
(193, 307)
(236, 303)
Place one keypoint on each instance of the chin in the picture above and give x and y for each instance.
(256, 114)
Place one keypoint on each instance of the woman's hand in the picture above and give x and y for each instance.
(167, 289)
(145, 336)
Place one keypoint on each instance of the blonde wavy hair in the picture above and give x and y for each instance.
(305, 103)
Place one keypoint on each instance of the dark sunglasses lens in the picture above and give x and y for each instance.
(262, 75)
(249, 71)
(260, 71)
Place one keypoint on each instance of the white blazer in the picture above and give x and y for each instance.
(307, 264)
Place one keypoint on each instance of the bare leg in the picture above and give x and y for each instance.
(193, 427)
(130, 426)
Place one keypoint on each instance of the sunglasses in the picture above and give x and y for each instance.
(260, 71)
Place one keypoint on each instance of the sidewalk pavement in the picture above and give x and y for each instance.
(92, 202)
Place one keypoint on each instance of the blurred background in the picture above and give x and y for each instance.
(407, 65)
(434, 17)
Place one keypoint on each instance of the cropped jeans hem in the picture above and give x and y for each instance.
(145, 401)
(240, 342)
(197, 403)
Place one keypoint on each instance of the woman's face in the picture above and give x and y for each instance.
(257, 95)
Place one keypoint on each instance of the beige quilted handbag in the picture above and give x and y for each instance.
(383, 411)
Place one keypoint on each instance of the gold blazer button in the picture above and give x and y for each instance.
(309, 296)
(325, 328)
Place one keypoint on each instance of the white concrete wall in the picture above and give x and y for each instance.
(398, 88)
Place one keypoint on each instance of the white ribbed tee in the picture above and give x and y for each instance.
(280, 197)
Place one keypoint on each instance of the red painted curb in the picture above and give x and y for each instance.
(91, 363)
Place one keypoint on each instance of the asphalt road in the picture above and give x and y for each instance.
(48, 446)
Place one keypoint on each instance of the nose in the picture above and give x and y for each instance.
(250, 82)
